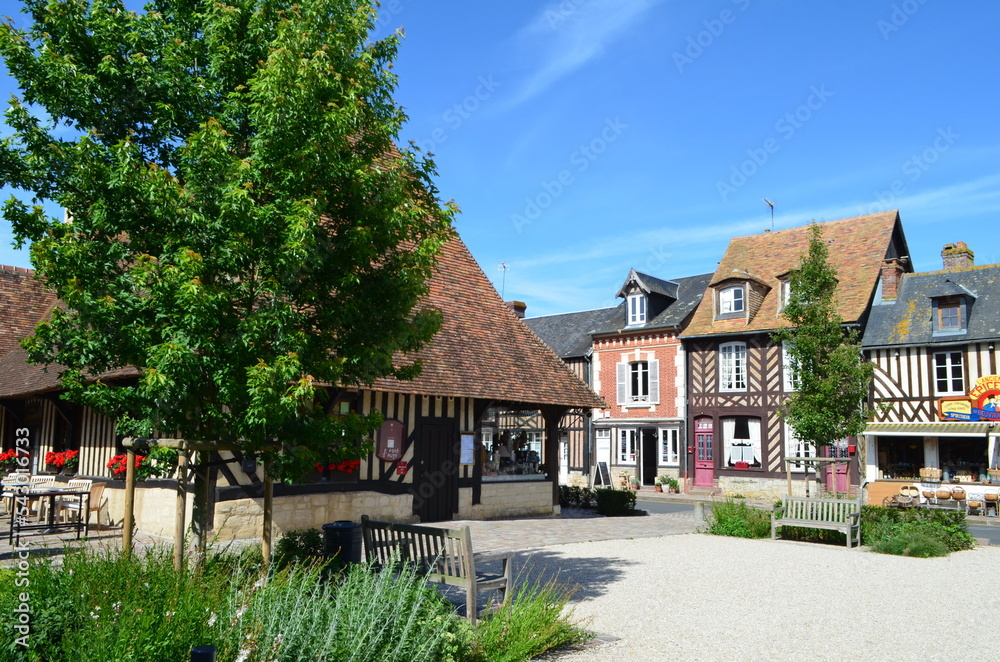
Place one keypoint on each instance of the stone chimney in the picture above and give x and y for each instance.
(957, 257)
(518, 307)
(892, 273)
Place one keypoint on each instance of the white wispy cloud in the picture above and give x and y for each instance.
(565, 36)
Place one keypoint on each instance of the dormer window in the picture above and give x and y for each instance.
(732, 301)
(636, 308)
(949, 315)
(784, 293)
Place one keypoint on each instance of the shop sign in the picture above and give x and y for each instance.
(955, 409)
(401, 468)
(390, 441)
(985, 397)
(983, 403)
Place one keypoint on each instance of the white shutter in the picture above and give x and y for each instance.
(622, 383)
(654, 382)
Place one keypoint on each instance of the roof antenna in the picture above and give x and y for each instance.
(503, 284)
(771, 205)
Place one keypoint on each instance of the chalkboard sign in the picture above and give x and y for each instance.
(603, 475)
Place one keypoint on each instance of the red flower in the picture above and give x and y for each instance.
(118, 464)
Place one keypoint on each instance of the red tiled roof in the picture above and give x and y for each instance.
(23, 302)
(483, 350)
(857, 246)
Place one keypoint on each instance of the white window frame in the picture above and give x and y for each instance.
(669, 447)
(728, 439)
(627, 396)
(637, 308)
(535, 441)
(950, 377)
(638, 381)
(795, 447)
(784, 293)
(789, 378)
(728, 300)
(627, 444)
(733, 366)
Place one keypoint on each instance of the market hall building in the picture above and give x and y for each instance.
(427, 464)
(933, 338)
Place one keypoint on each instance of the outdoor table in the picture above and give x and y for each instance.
(18, 525)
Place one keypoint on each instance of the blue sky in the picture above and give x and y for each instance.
(585, 137)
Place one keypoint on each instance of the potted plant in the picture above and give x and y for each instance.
(635, 483)
(673, 486)
(70, 462)
(8, 461)
(659, 484)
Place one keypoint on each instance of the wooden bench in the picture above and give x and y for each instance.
(445, 555)
(832, 514)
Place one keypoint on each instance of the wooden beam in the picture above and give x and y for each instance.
(179, 516)
(552, 414)
(129, 522)
(265, 547)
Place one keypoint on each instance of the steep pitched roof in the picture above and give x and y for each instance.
(909, 320)
(857, 246)
(23, 302)
(569, 334)
(483, 350)
(649, 285)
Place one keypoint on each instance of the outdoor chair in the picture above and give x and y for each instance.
(69, 506)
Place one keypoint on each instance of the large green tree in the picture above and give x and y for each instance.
(832, 377)
(243, 228)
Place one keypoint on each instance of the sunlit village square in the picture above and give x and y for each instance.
(580, 330)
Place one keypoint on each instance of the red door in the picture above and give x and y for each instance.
(704, 462)
(836, 474)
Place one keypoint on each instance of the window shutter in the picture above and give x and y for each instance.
(622, 383)
(654, 382)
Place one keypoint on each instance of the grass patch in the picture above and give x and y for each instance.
(105, 607)
(735, 518)
(531, 623)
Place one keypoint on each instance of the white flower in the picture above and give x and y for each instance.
(240, 611)
(211, 619)
(244, 653)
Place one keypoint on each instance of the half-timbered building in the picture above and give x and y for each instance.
(738, 377)
(427, 464)
(933, 338)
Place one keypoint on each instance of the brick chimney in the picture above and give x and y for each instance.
(518, 307)
(892, 272)
(957, 257)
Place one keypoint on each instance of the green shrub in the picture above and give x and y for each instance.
(531, 623)
(911, 542)
(736, 518)
(900, 525)
(576, 497)
(615, 503)
(300, 546)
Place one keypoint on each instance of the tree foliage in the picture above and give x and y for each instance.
(243, 227)
(832, 378)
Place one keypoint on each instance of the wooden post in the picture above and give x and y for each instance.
(265, 547)
(552, 414)
(199, 512)
(129, 522)
(179, 523)
(788, 470)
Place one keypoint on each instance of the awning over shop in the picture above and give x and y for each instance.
(928, 429)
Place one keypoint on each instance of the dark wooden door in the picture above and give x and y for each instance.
(435, 478)
(649, 450)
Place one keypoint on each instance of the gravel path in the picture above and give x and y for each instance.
(700, 597)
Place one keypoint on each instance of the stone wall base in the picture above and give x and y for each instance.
(770, 488)
(155, 509)
(507, 500)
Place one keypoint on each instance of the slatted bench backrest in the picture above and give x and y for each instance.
(444, 553)
(819, 510)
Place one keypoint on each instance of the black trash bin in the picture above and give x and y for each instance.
(343, 540)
